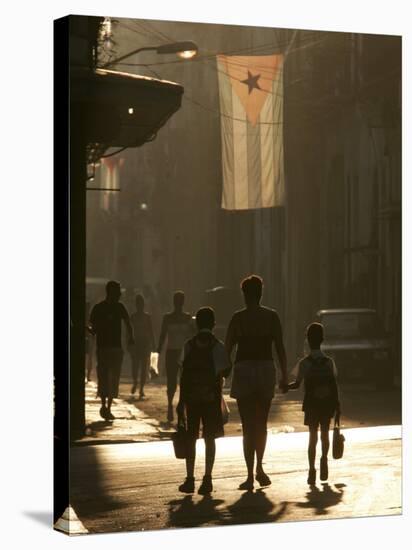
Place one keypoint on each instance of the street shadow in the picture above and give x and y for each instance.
(321, 500)
(99, 426)
(184, 512)
(89, 493)
(44, 518)
(254, 507)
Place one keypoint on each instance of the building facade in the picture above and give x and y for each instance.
(336, 242)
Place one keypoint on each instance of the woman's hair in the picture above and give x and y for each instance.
(252, 287)
(314, 334)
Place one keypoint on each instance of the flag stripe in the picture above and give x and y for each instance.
(266, 152)
(279, 182)
(240, 153)
(254, 166)
(228, 161)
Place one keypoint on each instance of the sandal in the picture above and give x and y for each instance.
(324, 471)
(312, 476)
(247, 485)
(206, 486)
(188, 486)
(263, 479)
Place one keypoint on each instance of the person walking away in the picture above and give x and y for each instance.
(205, 364)
(106, 323)
(177, 327)
(253, 330)
(88, 347)
(321, 398)
(143, 345)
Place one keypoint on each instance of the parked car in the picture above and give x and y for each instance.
(357, 341)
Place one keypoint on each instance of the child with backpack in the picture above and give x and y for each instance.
(205, 364)
(321, 398)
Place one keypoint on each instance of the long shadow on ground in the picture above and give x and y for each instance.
(252, 507)
(321, 500)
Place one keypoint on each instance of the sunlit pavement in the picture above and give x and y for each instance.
(132, 487)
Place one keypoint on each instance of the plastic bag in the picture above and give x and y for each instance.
(154, 360)
(225, 410)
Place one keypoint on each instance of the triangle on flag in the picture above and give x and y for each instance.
(252, 77)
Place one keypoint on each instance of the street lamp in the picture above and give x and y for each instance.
(186, 50)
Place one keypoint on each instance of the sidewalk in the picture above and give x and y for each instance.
(138, 421)
(131, 425)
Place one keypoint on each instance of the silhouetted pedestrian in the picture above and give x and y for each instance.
(106, 323)
(88, 347)
(321, 398)
(253, 330)
(204, 365)
(143, 345)
(177, 327)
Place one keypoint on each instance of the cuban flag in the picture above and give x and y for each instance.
(251, 107)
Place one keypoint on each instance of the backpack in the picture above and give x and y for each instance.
(198, 382)
(321, 391)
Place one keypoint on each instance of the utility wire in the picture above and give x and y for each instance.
(205, 60)
(212, 55)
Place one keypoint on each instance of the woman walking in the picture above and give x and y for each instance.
(253, 330)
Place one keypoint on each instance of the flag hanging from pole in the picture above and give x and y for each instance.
(251, 107)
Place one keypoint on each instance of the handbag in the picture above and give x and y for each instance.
(179, 439)
(338, 441)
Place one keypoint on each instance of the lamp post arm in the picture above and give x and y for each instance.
(114, 61)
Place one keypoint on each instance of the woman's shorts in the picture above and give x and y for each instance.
(253, 378)
(211, 416)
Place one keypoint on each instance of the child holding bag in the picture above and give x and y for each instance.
(204, 365)
(321, 398)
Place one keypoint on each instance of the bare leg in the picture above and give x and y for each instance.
(172, 371)
(324, 437)
(190, 460)
(89, 363)
(103, 410)
(188, 486)
(135, 369)
(144, 365)
(109, 403)
(249, 453)
(262, 413)
(313, 439)
(247, 414)
(207, 486)
(210, 454)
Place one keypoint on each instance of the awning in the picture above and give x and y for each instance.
(117, 109)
